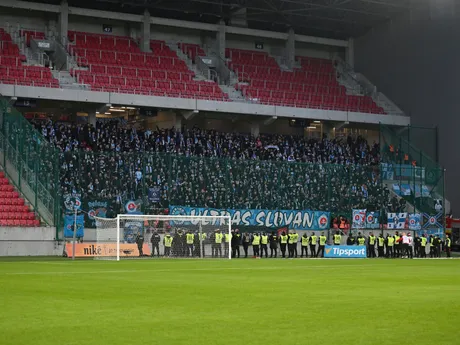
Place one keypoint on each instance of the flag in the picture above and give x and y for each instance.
(432, 221)
(415, 221)
(396, 220)
(372, 220)
(359, 219)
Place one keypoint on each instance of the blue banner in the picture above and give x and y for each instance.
(69, 225)
(296, 220)
(415, 221)
(345, 252)
(373, 220)
(432, 232)
(433, 221)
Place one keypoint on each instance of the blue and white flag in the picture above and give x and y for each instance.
(432, 221)
(415, 221)
(69, 225)
(359, 219)
(396, 220)
(372, 220)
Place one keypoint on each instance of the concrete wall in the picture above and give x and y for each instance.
(29, 242)
(94, 25)
(33, 20)
(414, 61)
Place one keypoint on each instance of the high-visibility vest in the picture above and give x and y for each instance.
(322, 240)
(256, 240)
(219, 237)
(337, 238)
(304, 241)
(296, 238)
(396, 239)
(264, 239)
(313, 238)
(361, 241)
(284, 239)
(227, 238)
(371, 240)
(190, 238)
(391, 241)
(381, 241)
(291, 238)
(432, 240)
(168, 241)
(424, 241)
(448, 242)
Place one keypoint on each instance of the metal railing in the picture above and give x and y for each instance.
(31, 163)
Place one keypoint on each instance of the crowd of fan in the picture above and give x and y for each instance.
(206, 168)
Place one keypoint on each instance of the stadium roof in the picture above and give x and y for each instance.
(339, 19)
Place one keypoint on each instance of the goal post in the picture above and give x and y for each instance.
(172, 236)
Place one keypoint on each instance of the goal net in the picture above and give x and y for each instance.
(129, 236)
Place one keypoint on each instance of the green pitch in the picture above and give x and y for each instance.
(337, 302)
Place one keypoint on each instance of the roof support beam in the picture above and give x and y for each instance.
(169, 22)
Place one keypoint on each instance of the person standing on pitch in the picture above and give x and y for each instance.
(296, 239)
(432, 247)
(227, 239)
(397, 248)
(256, 244)
(371, 245)
(313, 240)
(264, 245)
(448, 245)
(217, 245)
(438, 246)
(196, 244)
(155, 240)
(322, 244)
(351, 240)
(246, 242)
(203, 241)
(381, 246)
(417, 244)
(390, 240)
(236, 241)
(407, 245)
(337, 238)
(284, 239)
(304, 245)
(140, 243)
(190, 239)
(291, 244)
(361, 240)
(273, 239)
(167, 242)
(423, 242)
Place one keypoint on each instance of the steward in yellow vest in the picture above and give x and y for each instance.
(284, 239)
(322, 244)
(264, 245)
(313, 241)
(256, 244)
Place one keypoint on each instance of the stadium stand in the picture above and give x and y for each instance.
(214, 169)
(191, 50)
(13, 211)
(314, 85)
(116, 64)
(13, 70)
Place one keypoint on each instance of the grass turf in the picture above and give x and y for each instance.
(230, 302)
